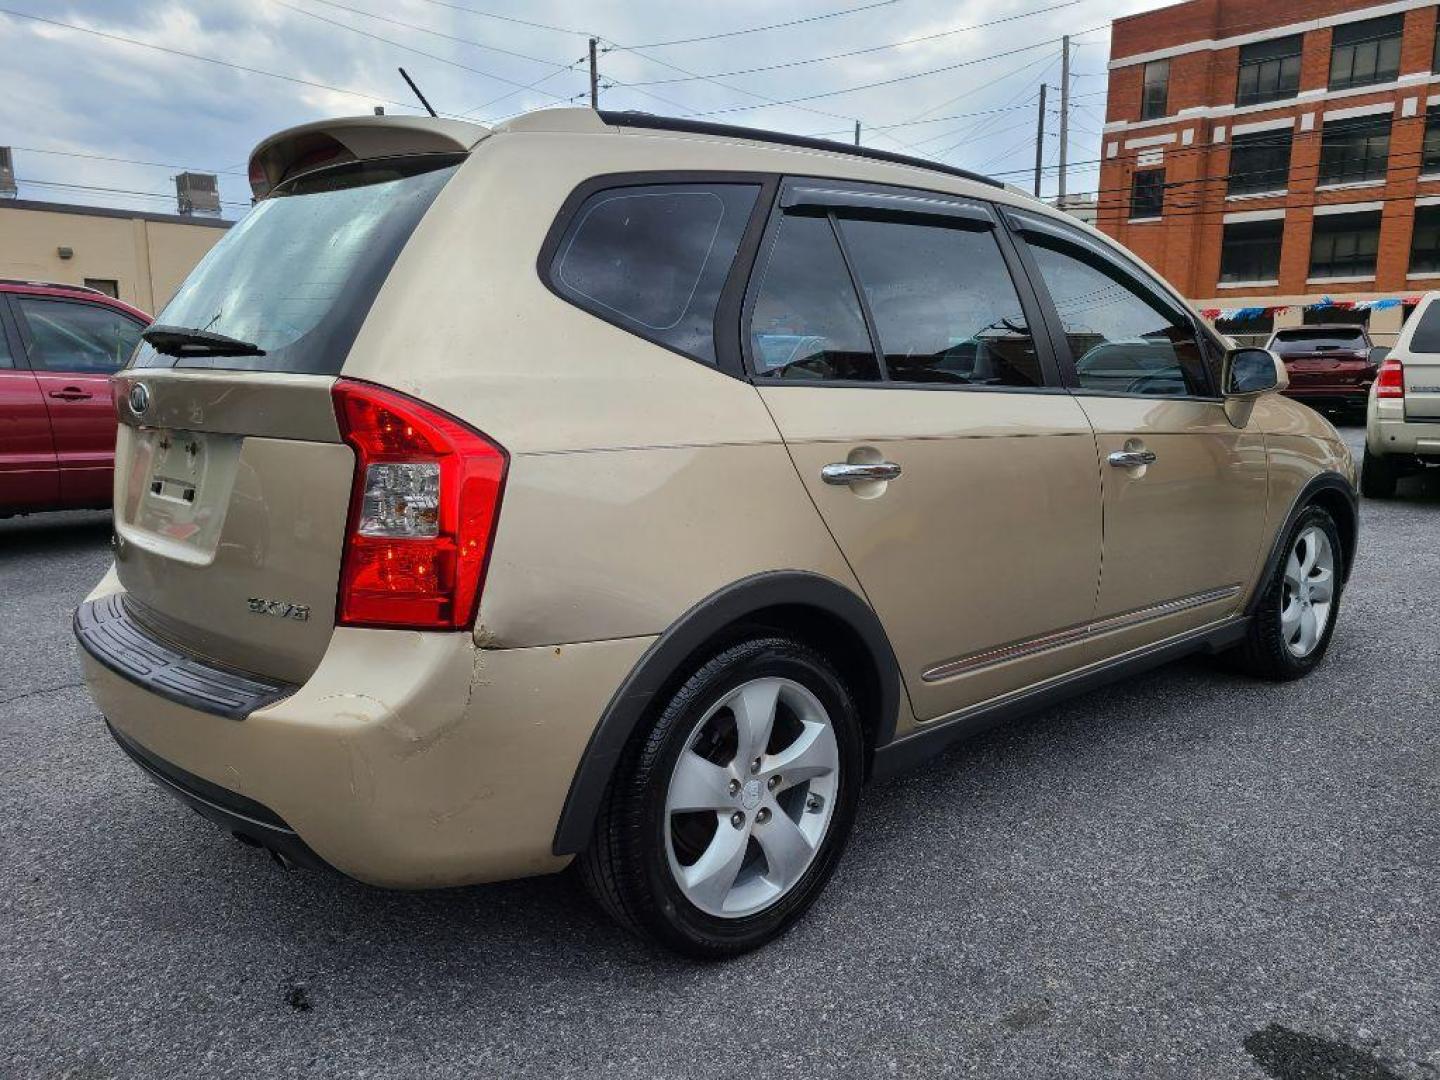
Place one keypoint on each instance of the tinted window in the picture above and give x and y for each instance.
(71, 336)
(806, 323)
(1147, 194)
(1366, 52)
(1426, 338)
(1259, 161)
(1425, 241)
(1296, 341)
(654, 259)
(944, 305)
(1155, 93)
(1121, 339)
(1345, 245)
(6, 360)
(1250, 250)
(1355, 150)
(297, 274)
(1269, 70)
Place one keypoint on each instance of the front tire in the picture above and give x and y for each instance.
(1295, 617)
(728, 814)
(1378, 476)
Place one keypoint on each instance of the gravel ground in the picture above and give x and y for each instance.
(1188, 875)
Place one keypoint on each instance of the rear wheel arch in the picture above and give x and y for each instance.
(811, 608)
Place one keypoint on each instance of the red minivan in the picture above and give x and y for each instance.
(58, 346)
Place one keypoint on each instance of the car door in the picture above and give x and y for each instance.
(1185, 490)
(889, 338)
(29, 476)
(73, 346)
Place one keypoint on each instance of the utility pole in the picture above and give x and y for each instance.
(857, 132)
(1040, 140)
(1064, 112)
(595, 77)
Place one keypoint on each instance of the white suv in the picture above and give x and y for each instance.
(1402, 430)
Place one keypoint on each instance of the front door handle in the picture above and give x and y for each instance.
(843, 472)
(71, 393)
(1130, 459)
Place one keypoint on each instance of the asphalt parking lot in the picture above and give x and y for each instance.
(1189, 875)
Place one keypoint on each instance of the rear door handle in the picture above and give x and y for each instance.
(843, 472)
(1129, 459)
(71, 393)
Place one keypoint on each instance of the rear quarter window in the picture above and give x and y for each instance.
(1426, 338)
(653, 259)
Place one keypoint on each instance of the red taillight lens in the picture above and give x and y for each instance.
(423, 508)
(1390, 383)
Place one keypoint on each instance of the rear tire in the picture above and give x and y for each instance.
(773, 800)
(1295, 617)
(1378, 476)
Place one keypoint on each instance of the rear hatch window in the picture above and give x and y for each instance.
(1299, 341)
(296, 276)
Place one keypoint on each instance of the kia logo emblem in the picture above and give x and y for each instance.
(139, 398)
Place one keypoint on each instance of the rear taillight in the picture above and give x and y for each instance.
(423, 508)
(1390, 382)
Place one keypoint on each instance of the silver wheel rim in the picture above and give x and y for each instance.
(751, 797)
(1308, 593)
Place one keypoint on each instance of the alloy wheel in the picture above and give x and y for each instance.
(751, 797)
(1309, 591)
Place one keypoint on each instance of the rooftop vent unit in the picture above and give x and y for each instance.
(198, 193)
(8, 189)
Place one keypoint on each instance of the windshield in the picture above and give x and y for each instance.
(1319, 338)
(297, 274)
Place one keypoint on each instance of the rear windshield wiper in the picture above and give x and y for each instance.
(183, 341)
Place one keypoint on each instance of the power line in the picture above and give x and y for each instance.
(367, 95)
(129, 161)
(769, 26)
(113, 191)
(864, 51)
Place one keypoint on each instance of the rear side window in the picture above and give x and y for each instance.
(653, 259)
(944, 304)
(1426, 338)
(70, 336)
(806, 323)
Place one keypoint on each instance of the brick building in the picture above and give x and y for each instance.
(1267, 155)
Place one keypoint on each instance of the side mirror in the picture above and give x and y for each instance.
(1248, 373)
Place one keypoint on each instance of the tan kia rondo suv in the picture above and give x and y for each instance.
(611, 489)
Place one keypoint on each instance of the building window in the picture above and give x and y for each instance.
(109, 286)
(1435, 56)
(1355, 150)
(1155, 94)
(1345, 245)
(1430, 159)
(1259, 161)
(1250, 250)
(1147, 194)
(1364, 53)
(1269, 70)
(1425, 241)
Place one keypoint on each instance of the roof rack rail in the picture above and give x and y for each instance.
(53, 285)
(637, 119)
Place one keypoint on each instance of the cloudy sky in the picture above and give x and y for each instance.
(96, 118)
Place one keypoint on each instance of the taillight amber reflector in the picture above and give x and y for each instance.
(423, 509)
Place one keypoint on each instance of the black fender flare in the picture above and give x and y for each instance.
(1325, 482)
(678, 646)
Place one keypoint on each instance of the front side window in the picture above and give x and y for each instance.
(1155, 90)
(653, 259)
(943, 304)
(1250, 250)
(1259, 162)
(1364, 53)
(1269, 70)
(1345, 245)
(1425, 241)
(1122, 338)
(1147, 194)
(1356, 150)
(76, 337)
(806, 324)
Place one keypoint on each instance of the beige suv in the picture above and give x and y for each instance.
(1402, 430)
(629, 491)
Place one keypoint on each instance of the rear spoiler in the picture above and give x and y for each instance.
(358, 138)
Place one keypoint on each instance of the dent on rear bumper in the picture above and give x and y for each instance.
(407, 760)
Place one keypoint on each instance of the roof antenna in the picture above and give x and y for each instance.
(418, 94)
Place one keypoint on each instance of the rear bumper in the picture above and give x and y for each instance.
(406, 760)
(1394, 435)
